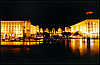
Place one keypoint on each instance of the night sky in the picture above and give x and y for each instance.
(49, 13)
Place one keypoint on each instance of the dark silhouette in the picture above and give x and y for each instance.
(76, 33)
(66, 34)
(46, 35)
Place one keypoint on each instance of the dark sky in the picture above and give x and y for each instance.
(49, 12)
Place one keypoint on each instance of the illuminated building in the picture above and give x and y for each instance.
(41, 30)
(11, 30)
(27, 28)
(33, 30)
(47, 30)
(53, 31)
(87, 28)
(67, 29)
(37, 28)
(59, 31)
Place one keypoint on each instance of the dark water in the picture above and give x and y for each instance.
(66, 51)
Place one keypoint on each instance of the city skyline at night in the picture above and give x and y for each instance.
(49, 31)
(16, 29)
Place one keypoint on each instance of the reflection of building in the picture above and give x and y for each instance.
(82, 45)
(11, 30)
(88, 28)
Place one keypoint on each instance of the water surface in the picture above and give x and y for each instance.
(56, 51)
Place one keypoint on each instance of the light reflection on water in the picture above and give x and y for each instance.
(83, 46)
(23, 43)
(77, 46)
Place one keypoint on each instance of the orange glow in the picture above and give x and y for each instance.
(89, 12)
(94, 47)
(67, 29)
(41, 30)
(11, 43)
(65, 43)
(47, 30)
(72, 45)
(59, 31)
(81, 45)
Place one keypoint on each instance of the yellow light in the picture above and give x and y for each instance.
(90, 26)
(47, 30)
(41, 30)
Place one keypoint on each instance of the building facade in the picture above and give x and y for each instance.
(87, 28)
(67, 29)
(11, 30)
